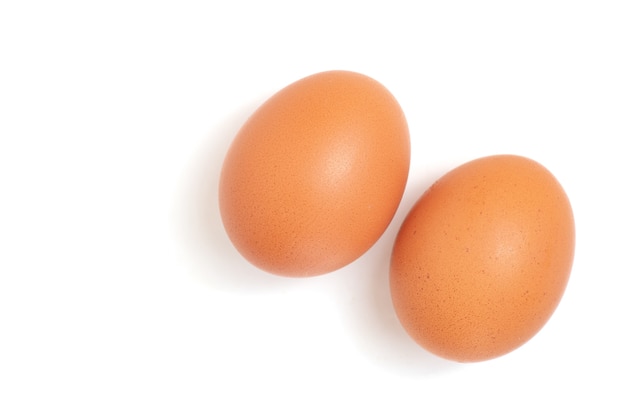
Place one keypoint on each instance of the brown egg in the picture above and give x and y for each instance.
(315, 175)
(483, 258)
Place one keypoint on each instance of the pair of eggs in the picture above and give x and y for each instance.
(316, 174)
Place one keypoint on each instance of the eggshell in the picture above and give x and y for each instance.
(315, 175)
(483, 258)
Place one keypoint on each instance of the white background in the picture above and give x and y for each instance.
(120, 293)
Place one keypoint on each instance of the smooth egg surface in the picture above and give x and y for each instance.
(483, 258)
(315, 175)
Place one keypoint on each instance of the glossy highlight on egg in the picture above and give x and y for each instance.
(315, 175)
(483, 258)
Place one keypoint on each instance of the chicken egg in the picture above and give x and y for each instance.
(315, 175)
(483, 258)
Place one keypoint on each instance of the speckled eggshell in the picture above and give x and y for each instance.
(483, 258)
(315, 175)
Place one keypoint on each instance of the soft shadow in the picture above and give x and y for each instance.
(216, 258)
(374, 320)
(370, 317)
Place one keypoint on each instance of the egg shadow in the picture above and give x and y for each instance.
(372, 320)
(214, 257)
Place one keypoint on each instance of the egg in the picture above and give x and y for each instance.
(315, 175)
(483, 258)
